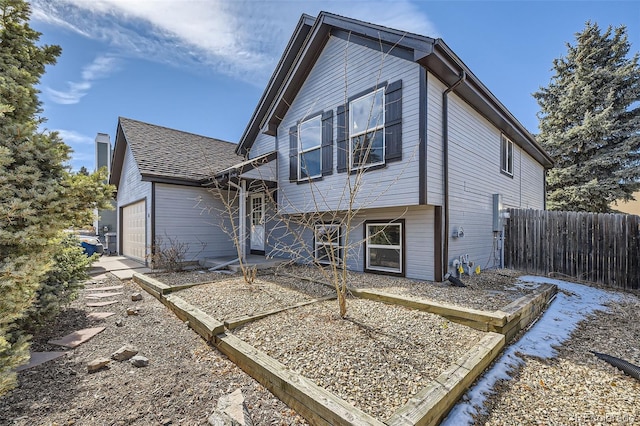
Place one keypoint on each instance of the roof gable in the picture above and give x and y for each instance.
(307, 43)
(168, 155)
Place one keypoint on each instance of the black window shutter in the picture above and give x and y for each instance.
(343, 137)
(293, 154)
(393, 122)
(327, 143)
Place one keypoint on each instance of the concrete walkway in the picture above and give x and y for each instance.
(120, 266)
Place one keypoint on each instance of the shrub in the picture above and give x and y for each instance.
(61, 284)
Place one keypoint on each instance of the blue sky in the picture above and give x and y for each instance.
(201, 65)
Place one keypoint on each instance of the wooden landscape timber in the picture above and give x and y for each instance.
(238, 321)
(433, 402)
(320, 406)
(316, 404)
(474, 318)
(520, 313)
(509, 320)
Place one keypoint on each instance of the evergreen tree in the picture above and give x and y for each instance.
(39, 197)
(590, 122)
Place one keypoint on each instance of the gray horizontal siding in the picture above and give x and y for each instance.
(288, 239)
(263, 144)
(193, 217)
(474, 172)
(435, 88)
(329, 84)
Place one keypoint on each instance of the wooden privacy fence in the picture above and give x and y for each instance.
(596, 247)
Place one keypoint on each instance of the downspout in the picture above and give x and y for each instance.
(241, 216)
(445, 176)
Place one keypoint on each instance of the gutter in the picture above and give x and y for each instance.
(445, 173)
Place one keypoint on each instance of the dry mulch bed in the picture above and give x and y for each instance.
(186, 377)
(233, 297)
(576, 388)
(376, 359)
(181, 385)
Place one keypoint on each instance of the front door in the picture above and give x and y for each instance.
(256, 211)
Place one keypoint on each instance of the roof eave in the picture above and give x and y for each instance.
(174, 180)
(119, 151)
(290, 53)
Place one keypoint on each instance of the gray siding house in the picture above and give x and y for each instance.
(159, 174)
(435, 156)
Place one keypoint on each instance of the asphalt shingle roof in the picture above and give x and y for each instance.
(169, 153)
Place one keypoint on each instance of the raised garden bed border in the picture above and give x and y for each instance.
(320, 406)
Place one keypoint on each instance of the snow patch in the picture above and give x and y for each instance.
(573, 303)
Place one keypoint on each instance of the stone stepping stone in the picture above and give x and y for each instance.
(99, 304)
(38, 358)
(98, 277)
(99, 315)
(101, 295)
(113, 287)
(77, 338)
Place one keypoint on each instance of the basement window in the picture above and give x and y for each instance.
(385, 247)
(327, 244)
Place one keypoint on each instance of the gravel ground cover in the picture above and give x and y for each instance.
(376, 359)
(180, 386)
(198, 276)
(576, 388)
(186, 377)
(233, 297)
(489, 291)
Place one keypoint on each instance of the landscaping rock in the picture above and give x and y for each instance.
(231, 411)
(133, 311)
(97, 364)
(139, 361)
(124, 353)
(119, 322)
(136, 296)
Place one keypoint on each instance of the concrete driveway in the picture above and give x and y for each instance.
(120, 266)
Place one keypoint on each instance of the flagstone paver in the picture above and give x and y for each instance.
(99, 304)
(102, 295)
(38, 358)
(77, 338)
(113, 287)
(99, 315)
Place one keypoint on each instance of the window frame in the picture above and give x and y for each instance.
(318, 244)
(301, 151)
(506, 155)
(401, 247)
(378, 128)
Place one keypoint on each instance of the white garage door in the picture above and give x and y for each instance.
(134, 229)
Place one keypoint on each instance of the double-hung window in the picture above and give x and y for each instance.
(310, 148)
(327, 244)
(385, 246)
(366, 130)
(506, 156)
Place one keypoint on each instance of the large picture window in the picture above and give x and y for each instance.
(309, 148)
(366, 130)
(506, 156)
(327, 244)
(385, 246)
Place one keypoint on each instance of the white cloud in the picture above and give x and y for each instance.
(74, 138)
(101, 67)
(242, 38)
